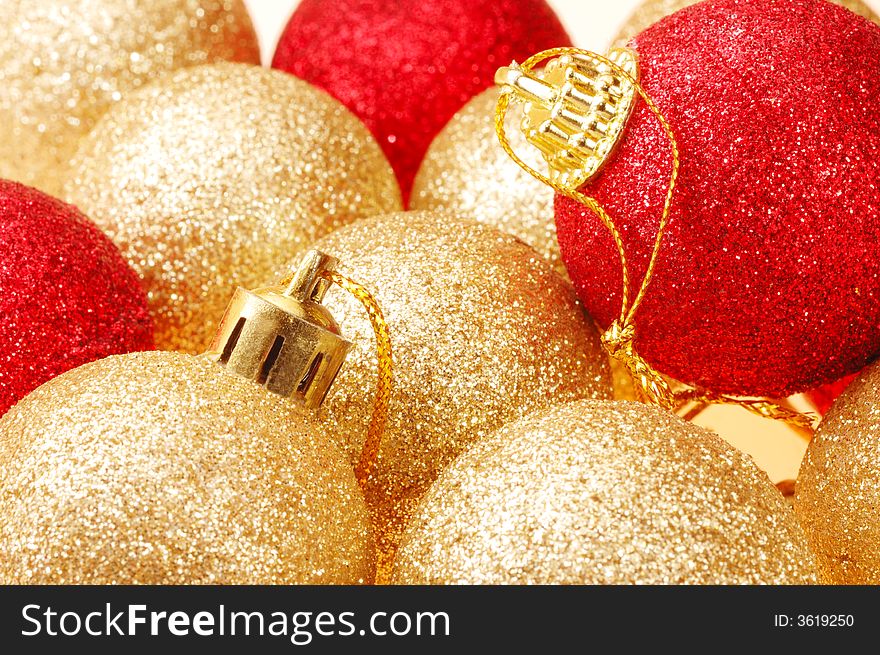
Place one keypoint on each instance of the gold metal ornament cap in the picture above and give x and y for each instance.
(575, 111)
(282, 337)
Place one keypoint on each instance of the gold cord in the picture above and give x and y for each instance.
(385, 379)
(619, 338)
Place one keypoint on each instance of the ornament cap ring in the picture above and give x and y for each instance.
(526, 87)
(282, 337)
(307, 283)
(575, 110)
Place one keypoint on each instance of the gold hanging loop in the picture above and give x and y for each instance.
(385, 373)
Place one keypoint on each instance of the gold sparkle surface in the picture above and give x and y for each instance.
(161, 468)
(838, 486)
(466, 170)
(484, 331)
(604, 492)
(622, 381)
(63, 63)
(215, 176)
(651, 11)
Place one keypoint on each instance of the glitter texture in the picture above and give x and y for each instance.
(215, 177)
(466, 170)
(484, 331)
(66, 295)
(838, 487)
(604, 493)
(651, 11)
(405, 67)
(161, 468)
(768, 282)
(64, 62)
(823, 397)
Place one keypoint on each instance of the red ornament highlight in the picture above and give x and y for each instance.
(66, 295)
(406, 67)
(768, 281)
(823, 397)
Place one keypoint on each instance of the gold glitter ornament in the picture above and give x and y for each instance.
(598, 492)
(212, 176)
(159, 468)
(63, 63)
(651, 11)
(467, 170)
(484, 332)
(838, 486)
(166, 468)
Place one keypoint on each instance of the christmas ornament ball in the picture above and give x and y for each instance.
(769, 275)
(406, 67)
(63, 63)
(599, 492)
(161, 468)
(652, 11)
(466, 170)
(823, 397)
(483, 331)
(67, 297)
(838, 486)
(214, 176)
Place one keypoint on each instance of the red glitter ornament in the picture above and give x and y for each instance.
(66, 295)
(405, 67)
(768, 281)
